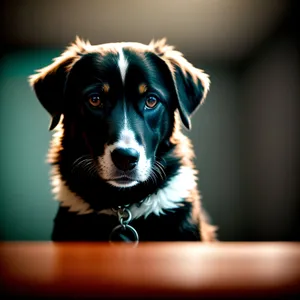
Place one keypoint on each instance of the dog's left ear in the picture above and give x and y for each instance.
(191, 84)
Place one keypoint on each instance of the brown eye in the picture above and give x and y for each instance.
(151, 102)
(96, 101)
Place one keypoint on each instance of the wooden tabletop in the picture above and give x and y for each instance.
(150, 270)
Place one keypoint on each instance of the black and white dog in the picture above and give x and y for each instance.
(122, 168)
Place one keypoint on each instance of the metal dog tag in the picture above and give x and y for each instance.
(124, 232)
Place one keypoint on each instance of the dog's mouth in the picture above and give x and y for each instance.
(123, 181)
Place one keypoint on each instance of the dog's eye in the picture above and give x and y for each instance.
(151, 102)
(96, 101)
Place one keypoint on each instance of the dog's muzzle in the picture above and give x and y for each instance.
(125, 159)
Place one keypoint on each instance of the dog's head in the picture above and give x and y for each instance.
(119, 101)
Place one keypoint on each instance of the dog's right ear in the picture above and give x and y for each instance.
(49, 82)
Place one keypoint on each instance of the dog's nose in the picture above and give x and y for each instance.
(125, 159)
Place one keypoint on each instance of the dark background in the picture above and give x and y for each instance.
(246, 135)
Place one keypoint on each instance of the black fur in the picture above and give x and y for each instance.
(64, 89)
(170, 227)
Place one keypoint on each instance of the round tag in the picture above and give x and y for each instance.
(124, 233)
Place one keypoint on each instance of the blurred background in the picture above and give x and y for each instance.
(246, 135)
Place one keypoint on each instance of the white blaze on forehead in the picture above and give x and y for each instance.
(123, 64)
(127, 139)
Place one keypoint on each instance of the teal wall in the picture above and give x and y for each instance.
(27, 206)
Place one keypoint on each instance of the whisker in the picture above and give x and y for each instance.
(80, 158)
(86, 163)
(159, 168)
(152, 177)
(157, 172)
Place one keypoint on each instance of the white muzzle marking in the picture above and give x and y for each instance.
(108, 169)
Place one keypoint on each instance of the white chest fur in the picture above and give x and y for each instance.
(170, 197)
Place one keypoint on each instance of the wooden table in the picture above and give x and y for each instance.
(184, 270)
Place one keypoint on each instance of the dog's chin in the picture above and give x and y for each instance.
(123, 182)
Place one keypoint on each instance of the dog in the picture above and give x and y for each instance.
(122, 169)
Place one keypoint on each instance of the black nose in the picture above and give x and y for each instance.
(125, 159)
